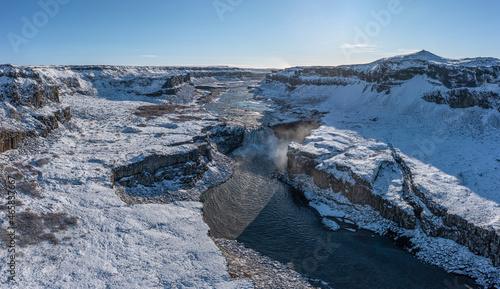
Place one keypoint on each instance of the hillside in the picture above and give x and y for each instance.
(412, 142)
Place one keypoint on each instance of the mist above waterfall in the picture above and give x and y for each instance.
(263, 142)
(273, 142)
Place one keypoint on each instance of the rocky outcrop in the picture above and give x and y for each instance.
(10, 139)
(480, 240)
(176, 81)
(185, 167)
(26, 87)
(172, 85)
(355, 188)
(227, 138)
(463, 98)
(51, 122)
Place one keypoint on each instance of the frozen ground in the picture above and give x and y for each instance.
(112, 244)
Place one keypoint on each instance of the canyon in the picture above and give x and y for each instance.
(405, 147)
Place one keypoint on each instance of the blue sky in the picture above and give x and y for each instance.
(246, 33)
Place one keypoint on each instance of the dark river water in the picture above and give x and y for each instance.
(269, 216)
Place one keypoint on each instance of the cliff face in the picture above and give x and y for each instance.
(386, 74)
(25, 87)
(376, 182)
(10, 139)
(25, 93)
(185, 167)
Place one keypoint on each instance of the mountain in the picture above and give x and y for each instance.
(460, 83)
(429, 57)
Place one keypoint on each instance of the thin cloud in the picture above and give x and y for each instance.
(148, 56)
(360, 46)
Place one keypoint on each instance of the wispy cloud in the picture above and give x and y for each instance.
(361, 47)
(148, 56)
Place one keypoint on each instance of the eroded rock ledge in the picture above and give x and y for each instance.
(180, 167)
(186, 166)
(401, 189)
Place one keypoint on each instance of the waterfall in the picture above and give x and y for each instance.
(263, 142)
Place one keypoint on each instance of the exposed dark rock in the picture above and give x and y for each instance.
(176, 81)
(36, 92)
(51, 122)
(482, 241)
(463, 98)
(10, 139)
(384, 75)
(186, 168)
(227, 138)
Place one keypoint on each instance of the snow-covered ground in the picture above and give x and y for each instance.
(453, 153)
(112, 244)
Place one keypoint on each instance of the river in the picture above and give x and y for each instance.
(267, 215)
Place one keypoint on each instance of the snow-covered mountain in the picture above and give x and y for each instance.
(459, 83)
(409, 144)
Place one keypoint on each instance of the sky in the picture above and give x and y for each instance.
(243, 33)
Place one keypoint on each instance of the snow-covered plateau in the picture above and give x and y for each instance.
(107, 164)
(143, 127)
(410, 147)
